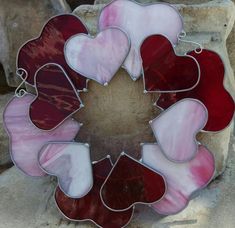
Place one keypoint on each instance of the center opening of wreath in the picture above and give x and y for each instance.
(116, 117)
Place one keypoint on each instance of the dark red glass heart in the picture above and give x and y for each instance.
(210, 91)
(49, 48)
(90, 207)
(56, 99)
(129, 183)
(163, 70)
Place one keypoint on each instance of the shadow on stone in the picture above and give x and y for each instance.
(4, 88)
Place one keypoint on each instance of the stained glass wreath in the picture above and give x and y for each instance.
(58, 65)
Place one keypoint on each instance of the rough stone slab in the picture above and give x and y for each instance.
(204, 23)
(28, 202)
(20, 21)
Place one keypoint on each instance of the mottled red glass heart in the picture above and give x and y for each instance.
(210, 91)
(163, 70)
(90, 207)
(49, 48)
(56, 98)
(129, 183)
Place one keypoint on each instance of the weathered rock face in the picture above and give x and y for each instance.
(208, 24)
(19, 21)
(116, 117)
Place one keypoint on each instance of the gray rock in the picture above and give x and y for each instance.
(29, 202)
(204, 23)
(20, 21)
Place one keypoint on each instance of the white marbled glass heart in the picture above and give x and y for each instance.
(176, 128)
(71, 164)
(183, 179)
(139, 22)
(97, 58)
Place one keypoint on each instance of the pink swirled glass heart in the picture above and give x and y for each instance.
(183, 179)
(139, 22)
(70, 163)
(176, 128)
(100, 57)
(26, 140)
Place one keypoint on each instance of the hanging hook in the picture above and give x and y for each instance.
(183, 35)
(19, 92)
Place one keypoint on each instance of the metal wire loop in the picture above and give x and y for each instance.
(197, 50)
(22, 73)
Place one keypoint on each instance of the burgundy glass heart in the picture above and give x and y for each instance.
(210, 91)
(129, 183)
(90, 207)
(56, 98)
(163, 70)
(49, 48)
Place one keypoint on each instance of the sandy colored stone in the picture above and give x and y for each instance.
(205, 24)
(20, 21)
(116, 117)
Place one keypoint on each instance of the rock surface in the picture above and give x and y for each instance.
(204, 23)
(31, 204)
(116, 117)
(20, 21)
